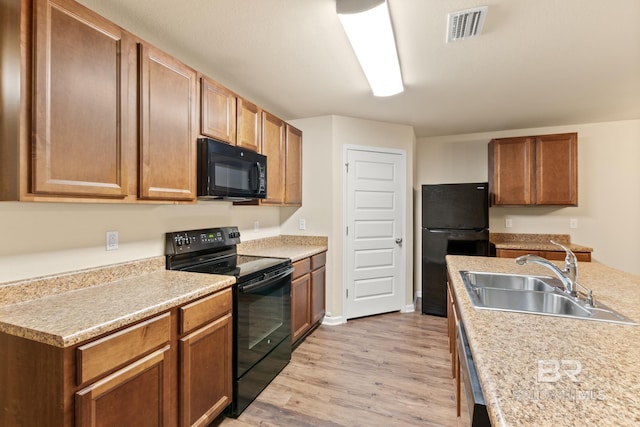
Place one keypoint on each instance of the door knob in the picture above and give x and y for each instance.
(399, 241)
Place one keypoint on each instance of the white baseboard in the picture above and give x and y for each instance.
(409, 308)
(333, 320)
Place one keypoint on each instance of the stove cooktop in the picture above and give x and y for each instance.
(240, 266)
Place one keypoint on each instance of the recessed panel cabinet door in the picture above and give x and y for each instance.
(248, 125)
(300, 306)
(218, 111)
(205, 372)
(511, 171)
(293, 167)
(273, 138)
(137, 395)
(84, 100)
(557, 169)
(168, 127)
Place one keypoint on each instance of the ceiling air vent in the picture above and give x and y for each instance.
(465, 23)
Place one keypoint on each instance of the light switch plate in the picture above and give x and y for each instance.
(573, 223)
(508, 223)
(302, 224)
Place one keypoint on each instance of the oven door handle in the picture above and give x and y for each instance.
(264, 283)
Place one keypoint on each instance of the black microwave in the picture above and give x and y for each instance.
(229, 172)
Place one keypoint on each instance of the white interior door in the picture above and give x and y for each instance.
(375, 211)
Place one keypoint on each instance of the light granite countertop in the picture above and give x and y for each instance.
(535, 242)
(66, 309)
(508, 347)
(285, 246)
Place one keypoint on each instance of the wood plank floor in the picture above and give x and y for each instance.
(386, 370)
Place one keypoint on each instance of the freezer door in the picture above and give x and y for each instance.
(455, 206)
(436, 245)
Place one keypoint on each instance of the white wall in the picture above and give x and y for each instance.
(323, 167)
(47, 238)
(608, 187)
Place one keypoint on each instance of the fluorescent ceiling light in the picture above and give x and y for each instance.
(368, 27)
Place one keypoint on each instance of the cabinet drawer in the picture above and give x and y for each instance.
(107, 353)
(301, 268)
(205, 310)
(318, 261)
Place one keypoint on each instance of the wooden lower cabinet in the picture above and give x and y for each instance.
(138, 394)
(171, 369)
(307, 295)
(205, 372)
(551, 255)
(452, 329)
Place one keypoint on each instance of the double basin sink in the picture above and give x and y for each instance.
(532, 294)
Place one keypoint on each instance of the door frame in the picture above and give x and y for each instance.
(403, 258)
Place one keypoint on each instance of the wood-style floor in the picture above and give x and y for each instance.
(386, 370)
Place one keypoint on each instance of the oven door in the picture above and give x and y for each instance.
(263, 318)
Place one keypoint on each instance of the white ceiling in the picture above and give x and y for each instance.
(537, 62)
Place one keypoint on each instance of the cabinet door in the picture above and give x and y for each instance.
(293, 167)
(137, 395)
(168, 127)
(557, 169)
(218, 113)
(249, 125)
(84, 100)
(318, 280)
(511, 162)
(300, 306)
(205, 372)
(273, 137)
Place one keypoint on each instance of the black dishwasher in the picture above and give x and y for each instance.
(473, 409)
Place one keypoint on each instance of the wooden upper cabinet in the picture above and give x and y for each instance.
(557, 169)
(535, 170)
(293, 167)
(168, 127)
(248, 125)
(273, 144)
(218, 111)
(84, 103)
(511, 161)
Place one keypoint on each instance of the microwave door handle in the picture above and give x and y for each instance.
(256, 180)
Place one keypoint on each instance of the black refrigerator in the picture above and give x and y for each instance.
(455, 221)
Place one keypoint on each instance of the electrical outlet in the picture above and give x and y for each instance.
(508, 223)
(573, 223)
(112, 240)
(256, 225)
(302, 224)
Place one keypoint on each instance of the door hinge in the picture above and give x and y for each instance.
(347, 166)
(347, 230)
(347, 293)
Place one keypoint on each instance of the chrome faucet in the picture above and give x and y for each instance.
(568, 276)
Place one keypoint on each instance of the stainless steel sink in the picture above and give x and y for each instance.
(532, 302)
(532, 294)
(511, 281)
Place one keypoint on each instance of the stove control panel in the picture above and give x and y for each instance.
(197, 240)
